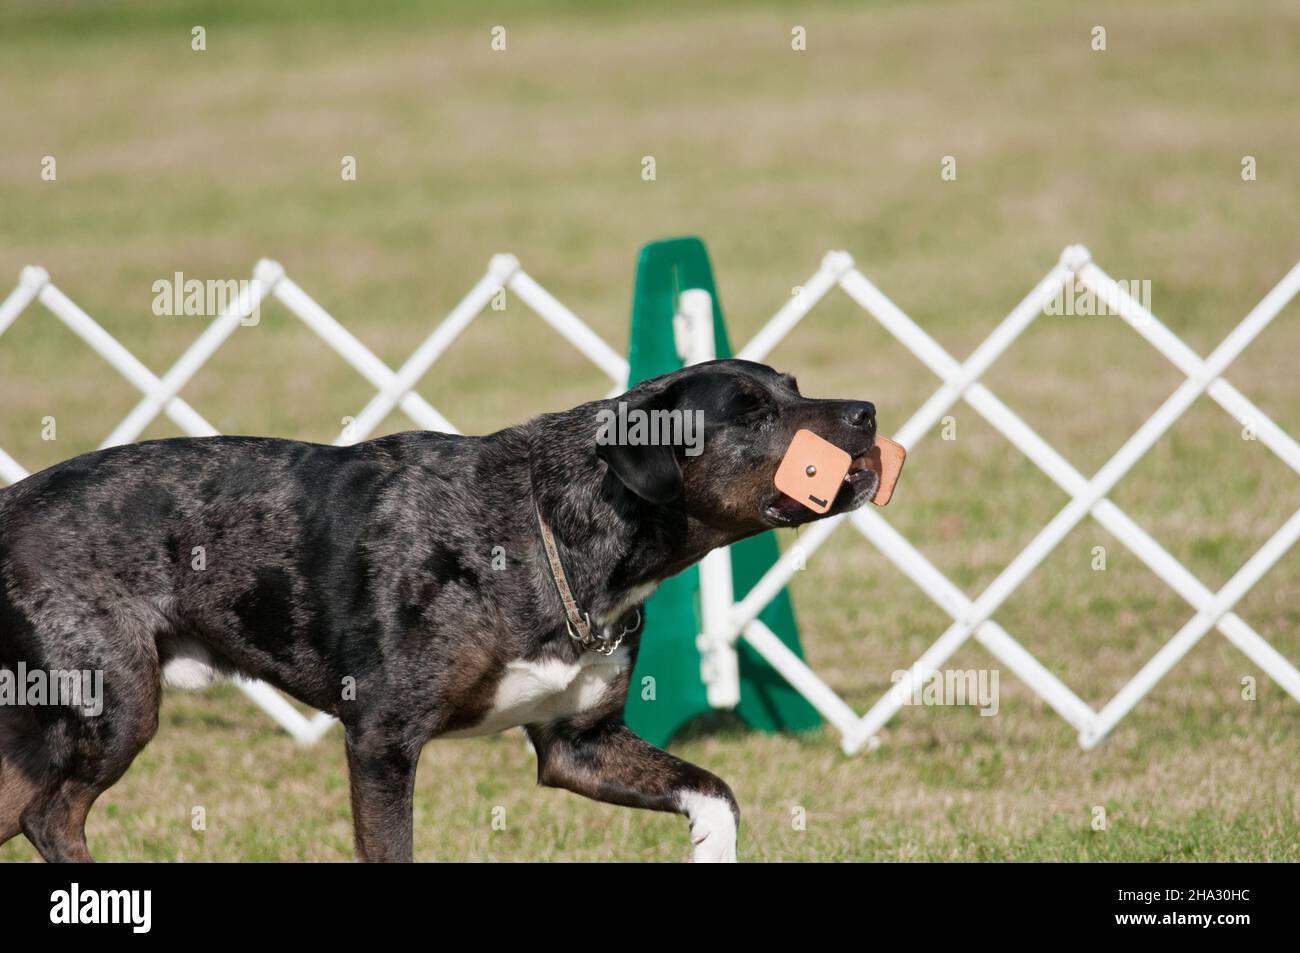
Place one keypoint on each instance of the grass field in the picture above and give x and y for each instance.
(173, 160)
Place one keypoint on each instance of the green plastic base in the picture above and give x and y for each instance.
(666, 690)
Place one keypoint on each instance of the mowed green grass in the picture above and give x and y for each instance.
(171, 160)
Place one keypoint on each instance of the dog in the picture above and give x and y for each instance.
(416, 586)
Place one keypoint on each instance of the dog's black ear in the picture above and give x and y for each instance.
(653, 471)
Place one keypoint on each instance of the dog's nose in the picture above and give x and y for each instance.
(859, 413)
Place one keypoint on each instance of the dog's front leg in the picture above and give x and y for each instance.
(605, 761)
(382, 772)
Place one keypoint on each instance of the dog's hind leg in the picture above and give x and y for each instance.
(603, 760)
(55, 822)
(88, 753)
(21, 762)
(16, 793)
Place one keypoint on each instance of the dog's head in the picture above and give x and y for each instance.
(712, 436)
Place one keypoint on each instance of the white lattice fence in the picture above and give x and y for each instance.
(960, 381)
(973, 617)
(393, 388)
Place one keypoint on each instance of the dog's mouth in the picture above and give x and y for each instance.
(859, 485)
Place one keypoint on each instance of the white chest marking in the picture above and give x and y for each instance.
(545, 690)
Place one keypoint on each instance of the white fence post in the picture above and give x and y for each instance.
(719, 664)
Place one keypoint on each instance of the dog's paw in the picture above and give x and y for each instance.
(713, 848)
(713, 828)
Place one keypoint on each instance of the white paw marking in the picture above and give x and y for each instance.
(713, 827)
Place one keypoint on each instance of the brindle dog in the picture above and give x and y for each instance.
(400, 584)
